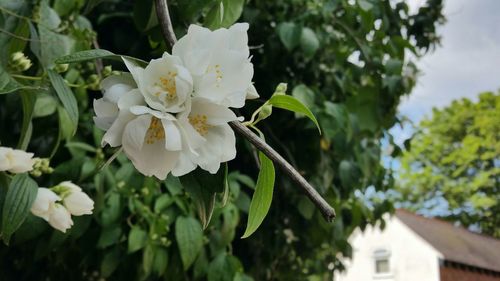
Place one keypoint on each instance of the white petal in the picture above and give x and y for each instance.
(216, 114)
(220, 147)
(114, 86)
(173, 139)
(135, 70)
(252, 92)
(4, 160)
(20, 161)
(70, 186)
(59, 217)
(78, 203)
(106, 113)
(131, 98)
(41, 205)
(185, 164)
(114, 135)
(149, 159)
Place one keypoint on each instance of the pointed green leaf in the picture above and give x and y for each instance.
(293, 104)
(289, 34)
(67, 99)
(94, 54)
(18, 200)
(203, 188)
(189, 236)
(309, 42)
(137, 239)
(261, 200)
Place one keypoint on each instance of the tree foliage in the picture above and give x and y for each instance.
(454, 162)
(346, 60)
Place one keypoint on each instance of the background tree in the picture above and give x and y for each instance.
(347, 60)
(454, 163)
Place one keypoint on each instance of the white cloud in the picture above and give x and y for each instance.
(467, 62)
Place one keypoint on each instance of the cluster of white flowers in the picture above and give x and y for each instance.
(172, 115)
(15, 161)
(57, 204)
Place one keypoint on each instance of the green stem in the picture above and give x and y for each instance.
(26, 77)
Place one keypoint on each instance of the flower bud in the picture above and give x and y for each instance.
(41, 206)
(78, 203)
(59, 217)
(60, 68)
(281, 89)
(19, 62)
(107, 70)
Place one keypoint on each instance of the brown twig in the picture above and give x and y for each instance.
(326, 210)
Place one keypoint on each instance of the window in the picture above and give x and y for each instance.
(382, 265)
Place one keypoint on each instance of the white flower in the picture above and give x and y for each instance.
(165, 83)
(15, 161)
(210, 122)
(219, 63)
(76, 202)
(44, 199)
(59, 217)
(106, 108)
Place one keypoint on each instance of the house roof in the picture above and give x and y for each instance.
(456, 244)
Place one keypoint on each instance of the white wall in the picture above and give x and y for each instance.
(411, 257)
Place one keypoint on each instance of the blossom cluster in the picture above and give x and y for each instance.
(57, 204)
(172, 116)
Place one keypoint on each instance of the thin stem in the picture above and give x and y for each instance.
(35, 78)
(166, 24)
(326, 210)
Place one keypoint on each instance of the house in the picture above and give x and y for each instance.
(415, 248)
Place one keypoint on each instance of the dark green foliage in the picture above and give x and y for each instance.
(135, 231)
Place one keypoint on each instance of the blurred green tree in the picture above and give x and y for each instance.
(455, 156)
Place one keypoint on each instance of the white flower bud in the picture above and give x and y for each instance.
(70, 186)
(59, 217)
(44, 198)
(15, 161)
(78, 203)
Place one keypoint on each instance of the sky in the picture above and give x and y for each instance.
(466, 64)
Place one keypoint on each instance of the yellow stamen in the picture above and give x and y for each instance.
(199, 123)
(155, 131)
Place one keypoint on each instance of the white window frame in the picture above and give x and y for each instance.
(382, 254)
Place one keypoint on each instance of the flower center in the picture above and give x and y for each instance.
(218, 73)
(155, 131)
(167, 84)
(199, 123)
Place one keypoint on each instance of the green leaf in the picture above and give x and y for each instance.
(28, 101)
(189, 236)
(109, 236)
(20, 196)
(365, 5)
(154, 260)
(289, 34)
(45, 105)
(9, 85)
(224, 268)
(137, 239)
(224, 13)
(95, 54)
(262, 197)
(67, 99)
(309, 42)
(304, 94)
(111, 261)
(203, 187)
(292, 104)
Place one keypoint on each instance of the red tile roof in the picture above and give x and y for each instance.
(457, 244)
